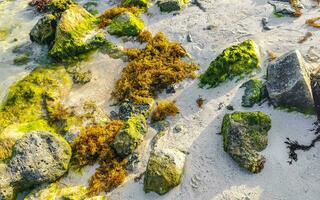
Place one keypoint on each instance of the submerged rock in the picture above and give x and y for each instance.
(254, 92)
(244, 135)
(234, 61)
(288, 83)
(172, 5)
(76, 34)
(126, 24)
(39, 157)
(130, 136)
(57, 192)
(44, 30)
(21, 59)
(164, 170)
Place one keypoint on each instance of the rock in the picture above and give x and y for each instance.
(128, 108)
(21, 59)
(254, 92)
(57, 192)
(235, 61)
(138, 3)
(244, 135)
(126, 24)
(76, 34)
(178, 128)
(82, 77)
(44, 30)
(130, 136)
(189, 37)
(282, 8)
(164, 170)
(91, 7)
(39, 157)
(265, 22)
(288, 83)
(172, 5)
(58, 6)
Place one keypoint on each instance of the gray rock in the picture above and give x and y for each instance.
(39, 157)
(282, 8)
(288, 83)
(44, 30)
(128, 108)
(172, 5)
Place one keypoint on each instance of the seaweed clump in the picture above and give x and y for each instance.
(94, 145)
(236, 60)
(313, 22)
(152, 69)
(164, 109)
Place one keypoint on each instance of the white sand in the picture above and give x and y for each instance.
(209, 170)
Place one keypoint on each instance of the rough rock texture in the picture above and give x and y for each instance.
(282, 8)
(57, 192)
(234, 61)
(244, 135)
(128, 108)
(254, 92)
(39, 157)
(130, 136)
(288, 83)
(44, 30)
(164, 170)
(126, 24)
(76, 34)
(172, 5)
(58, 6)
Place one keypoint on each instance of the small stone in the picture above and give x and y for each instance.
(178, 128)
(172, 5)
(132, 161)
(265, 22)
(254, 92)
(21, 59)
(189, 37)
(170, 89)
(230, 107)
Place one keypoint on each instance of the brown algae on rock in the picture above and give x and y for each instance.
(164, 109)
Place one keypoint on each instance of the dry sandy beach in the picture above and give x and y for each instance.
(209, 173)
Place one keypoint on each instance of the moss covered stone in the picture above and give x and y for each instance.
(244, 135)
(254, 92)
(126, 24)
(172, 5)
(130, 136)
(58, 6)
(236, 60)
(164, 170)
(21, 59)
(24, 102)
(76, 34)
(138, 3)
(44, 30)
(55, 191)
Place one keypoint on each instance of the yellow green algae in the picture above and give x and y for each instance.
(234, 61)
(126, 24)
(25, 99)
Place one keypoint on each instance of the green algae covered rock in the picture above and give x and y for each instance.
(126, 24)
(44, 30)
(24, 101)
(234, 61)
(76, 34)
(138, 3)
(129, 108)
(58, 6)
(57, 192)
(39, 157)
(244, 135)
(130, 136)
(14, 132)
(172, 5)
(164, 170)
(254, 92)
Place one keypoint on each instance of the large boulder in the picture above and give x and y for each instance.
(126, 24)
(130, 136)
(244, 135)
(235, 61)
(254, 92)
(76, 34)
(172, 5)
(44, 30)
(39, 157)
(164, 170)
(288, 83)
